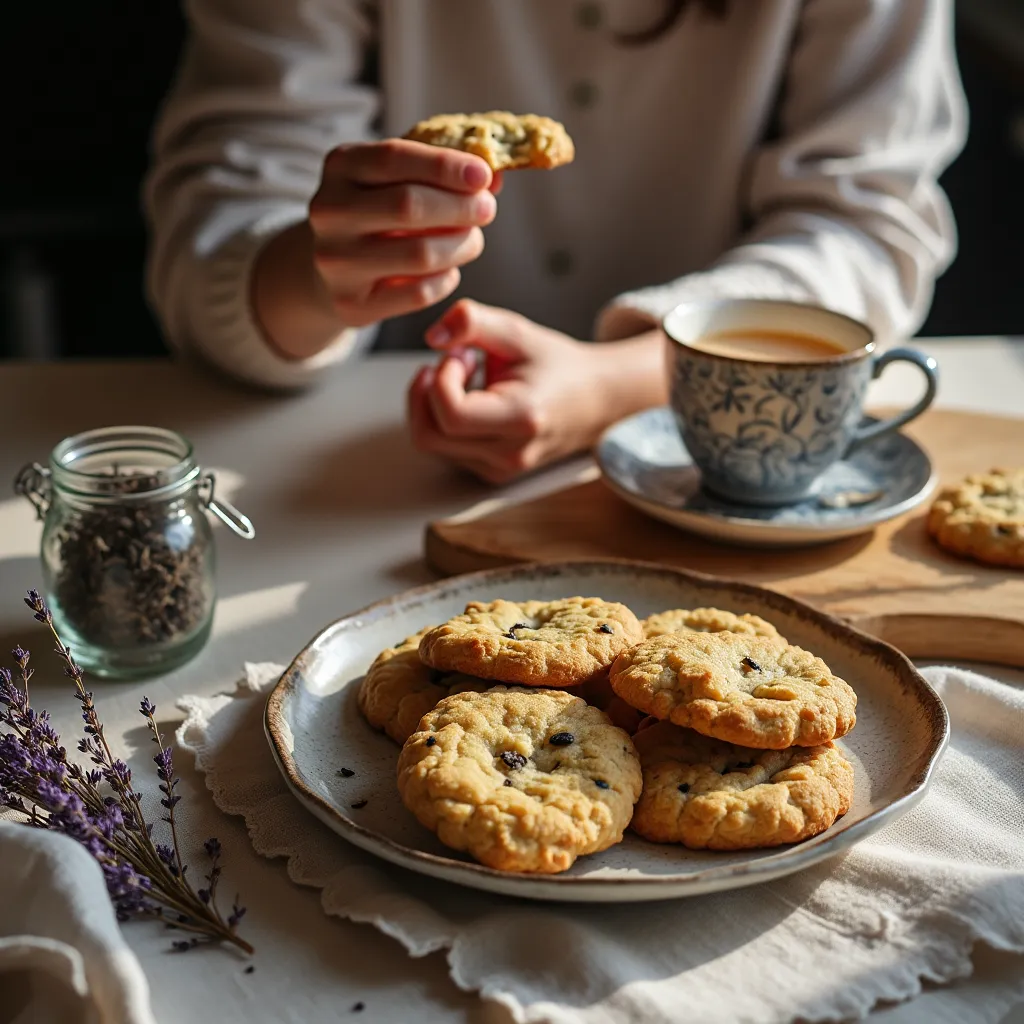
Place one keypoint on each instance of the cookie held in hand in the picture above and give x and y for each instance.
(533, 643)
(710, 795)
(748, 690)
(521, 780)
(506, 141)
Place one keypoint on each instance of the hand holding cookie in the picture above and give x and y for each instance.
(393, 221)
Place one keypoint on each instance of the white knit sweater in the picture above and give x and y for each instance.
(791, 150)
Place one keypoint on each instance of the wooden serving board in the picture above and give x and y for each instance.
(894, 583)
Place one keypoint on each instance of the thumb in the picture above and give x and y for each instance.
(468, 324)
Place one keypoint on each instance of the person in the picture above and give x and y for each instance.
(778, 149)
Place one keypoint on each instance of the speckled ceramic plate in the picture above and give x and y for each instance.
(315, 731)
(643, 459)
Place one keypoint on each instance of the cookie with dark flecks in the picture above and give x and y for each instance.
(506, 141)
(982, 518)
(522, 780)
(748, 690)
(707, 620)
(710, 795)
(533, 643)
(398, 689)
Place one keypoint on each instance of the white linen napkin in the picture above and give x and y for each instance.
(905, 906)
(62, 955)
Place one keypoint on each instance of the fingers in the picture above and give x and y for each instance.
(394, 298)
(498, 332)
(393, 221)
(408, 207)
(399, 161)
(354, 263)
(417, 404)
(425, 433)
(482, 415)
(496, 461)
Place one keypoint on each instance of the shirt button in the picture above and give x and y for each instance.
(583, 94)
(589, 15)
(560, 263)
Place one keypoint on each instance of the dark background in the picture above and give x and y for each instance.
(81, 83)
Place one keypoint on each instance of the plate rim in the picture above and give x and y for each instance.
(794, 857)
(824, 530)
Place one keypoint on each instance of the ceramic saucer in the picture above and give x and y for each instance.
(643, 459)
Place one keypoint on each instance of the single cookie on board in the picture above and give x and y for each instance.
(523, 780)
(707, 620)
(748, 690)
(533, 643)
(710, 795)
(398, 689)
(506, 141)
(983, 518)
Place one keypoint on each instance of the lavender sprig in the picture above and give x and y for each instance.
(100, 808)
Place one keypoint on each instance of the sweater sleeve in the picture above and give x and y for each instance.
(845, 204)
(264, 91)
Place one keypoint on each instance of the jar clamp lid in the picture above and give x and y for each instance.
(178, 473)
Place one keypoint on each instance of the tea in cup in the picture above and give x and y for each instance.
(769, 394)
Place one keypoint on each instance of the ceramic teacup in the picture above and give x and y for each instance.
(764, 423)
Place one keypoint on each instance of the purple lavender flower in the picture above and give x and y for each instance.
(99, 808)
(169, 857)
(40, 612)
(118, 775)
(11, 695)
(164, 764)
(236, 915)
(165, 773)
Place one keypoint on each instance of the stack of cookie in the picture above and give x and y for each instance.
(516, 721)
(737, 752)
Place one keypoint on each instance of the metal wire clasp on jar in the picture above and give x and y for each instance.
(127, 549)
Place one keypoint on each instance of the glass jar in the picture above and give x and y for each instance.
(127, 550)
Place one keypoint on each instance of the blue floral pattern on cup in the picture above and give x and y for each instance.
(770, 431)
(763, 432)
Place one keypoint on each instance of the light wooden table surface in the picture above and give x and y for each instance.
(339, 500)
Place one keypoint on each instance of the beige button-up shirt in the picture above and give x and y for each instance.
(790, 150)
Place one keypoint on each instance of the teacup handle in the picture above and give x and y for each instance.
(927, 366)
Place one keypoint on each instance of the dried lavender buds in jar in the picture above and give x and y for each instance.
(127, 548)
(132, 574)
